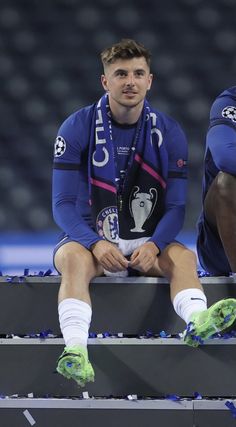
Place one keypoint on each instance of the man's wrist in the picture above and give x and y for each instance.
(156, 247)
(93, 246)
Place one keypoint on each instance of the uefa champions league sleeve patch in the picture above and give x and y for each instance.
(59, 147)
(229, 113)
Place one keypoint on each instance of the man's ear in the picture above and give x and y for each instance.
(104, 82)
(150, 81)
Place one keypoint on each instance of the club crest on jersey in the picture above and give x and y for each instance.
(229, 113)
(107, 224)
(59, 147)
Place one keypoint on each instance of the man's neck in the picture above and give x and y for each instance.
(125, 115)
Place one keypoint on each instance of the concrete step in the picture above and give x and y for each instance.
(132, 305)
(144, 367)
(114, 412)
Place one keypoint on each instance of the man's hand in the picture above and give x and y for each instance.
(144, 257)
(109, 256)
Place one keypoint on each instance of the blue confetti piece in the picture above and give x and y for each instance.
(149, 334)
(163, 334)
(173, 397)
(44, 334)
(92, 335)
(226, 336)
(202, 273)
(106, 334)
(48, 272)
(197, 396)
(231, 407)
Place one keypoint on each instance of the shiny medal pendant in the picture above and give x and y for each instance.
(120, 202)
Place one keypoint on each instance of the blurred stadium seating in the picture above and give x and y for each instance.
(50, 67)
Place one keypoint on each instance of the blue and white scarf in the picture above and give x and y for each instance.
(131, 223)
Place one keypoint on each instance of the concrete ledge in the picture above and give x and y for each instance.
(114, 412)
(144, 367)
(131, 305)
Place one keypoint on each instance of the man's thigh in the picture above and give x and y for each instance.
(68, 249)
(166, 260)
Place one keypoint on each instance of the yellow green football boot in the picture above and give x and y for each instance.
(219, 318)
(74, 364)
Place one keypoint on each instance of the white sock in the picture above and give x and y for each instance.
(74, 318)
(189, 301)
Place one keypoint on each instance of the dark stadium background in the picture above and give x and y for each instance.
(50, 67)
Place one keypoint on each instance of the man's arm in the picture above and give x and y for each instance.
(70, 195)
(172, 221)
(70, 183)
(175, 199)
(169, 226)
(221, 141)
(176, 189)
(66, 185)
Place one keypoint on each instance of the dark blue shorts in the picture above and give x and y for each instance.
(63, 238)
(210, 250)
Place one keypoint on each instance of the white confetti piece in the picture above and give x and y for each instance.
(132, 397)
(85, 395)
(30, 395)
(29, 417)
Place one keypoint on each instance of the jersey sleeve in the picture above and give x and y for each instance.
(176, 189)
(68, 146)
(69, 185)
(223, 111)
(221, 141)
(221, 136)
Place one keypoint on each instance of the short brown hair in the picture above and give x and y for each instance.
(125, 49)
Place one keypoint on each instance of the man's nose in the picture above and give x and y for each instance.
(130, 79)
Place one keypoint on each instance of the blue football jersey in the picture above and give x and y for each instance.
(71, 207)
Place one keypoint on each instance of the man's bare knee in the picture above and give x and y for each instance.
(226, 187)
(178, 257)
(73, 257)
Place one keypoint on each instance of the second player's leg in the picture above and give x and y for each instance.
(220, 212)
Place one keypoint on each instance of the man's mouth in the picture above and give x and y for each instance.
(129, 92)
